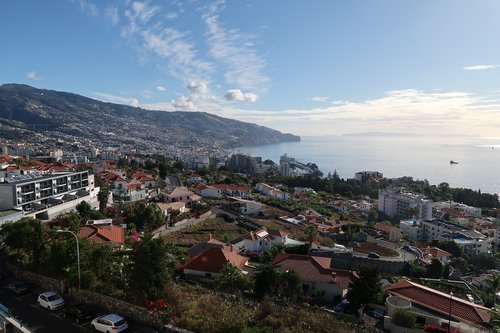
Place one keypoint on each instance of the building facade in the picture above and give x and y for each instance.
(36, 193)
(400, 204)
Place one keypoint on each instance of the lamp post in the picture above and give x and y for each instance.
(449, 313)
(77, 260)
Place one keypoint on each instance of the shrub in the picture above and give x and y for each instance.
(404, 318)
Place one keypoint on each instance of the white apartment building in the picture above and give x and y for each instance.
(413, 229)
(285, 169)
(474, 211)
(398, 203)
(42, 195)
(472, 241)
(271, 191)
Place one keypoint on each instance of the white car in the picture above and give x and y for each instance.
(50, 300)
(109, 323)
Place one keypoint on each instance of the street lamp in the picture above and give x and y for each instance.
(449, 313)
(77, 259)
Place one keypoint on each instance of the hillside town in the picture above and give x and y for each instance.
(216, 243)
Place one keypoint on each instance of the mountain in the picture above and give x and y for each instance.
(27, 112)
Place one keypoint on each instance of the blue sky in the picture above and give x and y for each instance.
(323, 67)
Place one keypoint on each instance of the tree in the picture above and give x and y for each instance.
(483, 261)
(404, 318)
(151, 267)
(435, 269)
(364, 289)
(69, 221)
(233, 279)
(142, 215)
(103, 196)
(311, 233)
(84, 209)
(494, 285)
(26, 235)
(162, 170)
(265, 279)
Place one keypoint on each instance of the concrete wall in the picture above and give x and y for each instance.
(350, 262)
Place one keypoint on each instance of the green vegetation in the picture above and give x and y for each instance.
(404, 318)
(364, 289)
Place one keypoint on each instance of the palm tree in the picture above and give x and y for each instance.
(494, 284)
(311, 233)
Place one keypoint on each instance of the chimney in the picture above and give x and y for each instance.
(334, 276)
(209, 236)
(231, 248)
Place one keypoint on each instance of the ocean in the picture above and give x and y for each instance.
(396, 156)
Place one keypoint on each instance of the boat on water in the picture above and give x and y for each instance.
(453, 162)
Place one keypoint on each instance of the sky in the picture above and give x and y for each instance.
(322, 67)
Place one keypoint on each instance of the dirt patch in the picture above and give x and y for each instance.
(220, 230)
(367, 247)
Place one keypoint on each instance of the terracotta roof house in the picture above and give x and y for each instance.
(261, 240)
(113, 234)
(209, 263)
(435, 252)
(393, 233)
(180, 194)
(316, 274)
(210, 243)
(434, 307)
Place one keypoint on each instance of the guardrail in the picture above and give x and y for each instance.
(7, 319)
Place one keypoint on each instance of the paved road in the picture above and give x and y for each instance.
(38, 319)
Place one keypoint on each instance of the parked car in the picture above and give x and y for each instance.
(373, 255)
(17, 288)
(109, 323)
(79, 312)
(341, 307)
(50, 300)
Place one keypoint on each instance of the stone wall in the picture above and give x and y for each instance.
(134, 312)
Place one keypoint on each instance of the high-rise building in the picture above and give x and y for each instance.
(285, 169)
(399, 204)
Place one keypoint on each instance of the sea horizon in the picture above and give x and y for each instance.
(420, 157)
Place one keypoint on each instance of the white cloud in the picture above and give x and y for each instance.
(319, 99)
(171, 15)
(117, 99)
(236, 95)
(143, 11)
(88, 7)
(198, 87)
(33, 75)
(172, 45)
(183, 103)
(112, 14)
(161, 88)
(409, 111)
(480, 67)
(245, 67)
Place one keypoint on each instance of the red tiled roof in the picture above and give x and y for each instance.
(436, 252)
(133, 185)
(385, 227)
(214, 259)
(232, 187)
(310, 269)
(112, 234)
(435, 300)
(202, 247)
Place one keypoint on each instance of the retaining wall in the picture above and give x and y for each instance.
(127, 310)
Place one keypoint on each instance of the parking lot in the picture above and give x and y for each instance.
(40, 320)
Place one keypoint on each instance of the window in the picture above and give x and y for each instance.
(208, 274)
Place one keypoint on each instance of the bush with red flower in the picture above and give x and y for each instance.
(163, 307)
